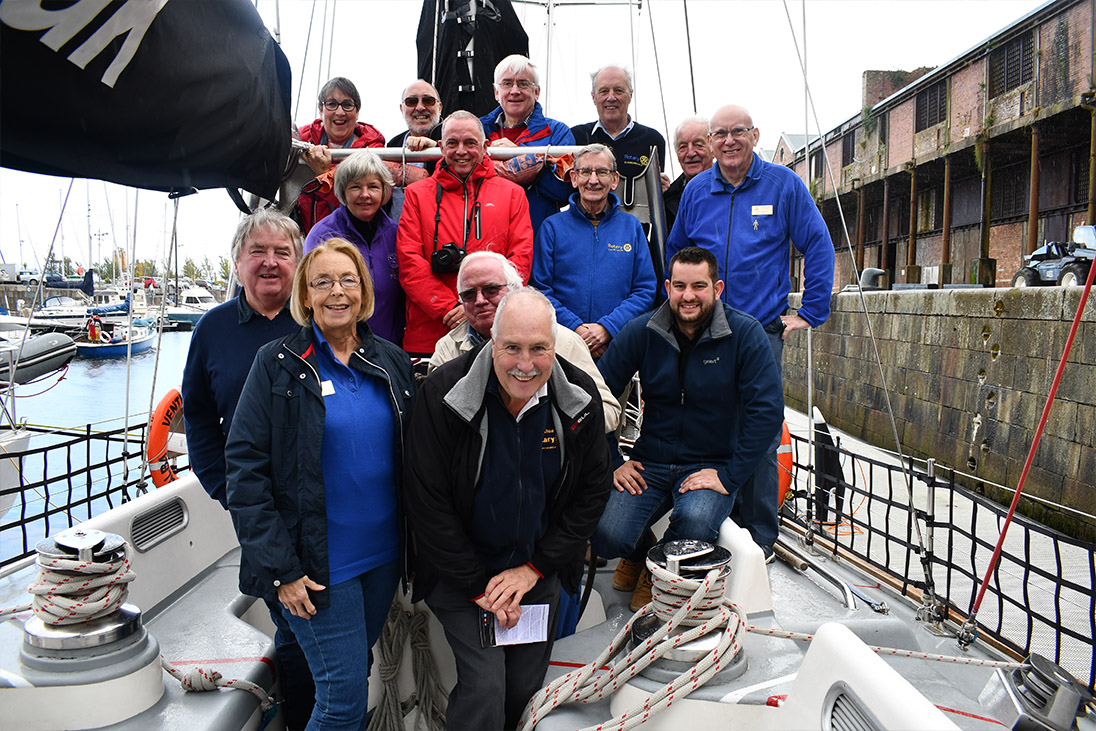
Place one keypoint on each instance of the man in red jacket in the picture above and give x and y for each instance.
(463, 207)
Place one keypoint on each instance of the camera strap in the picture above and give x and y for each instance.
(474, 224)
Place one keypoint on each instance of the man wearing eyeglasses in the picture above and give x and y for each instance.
(519, 120)
(694, 152)
(337, 127)
(421, 109)
(746, 212)
(611, 90)
(483, 280)
(592, 260)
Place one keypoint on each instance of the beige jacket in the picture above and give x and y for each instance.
(569, 346)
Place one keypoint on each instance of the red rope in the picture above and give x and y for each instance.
(1035, 442)
(42, 378)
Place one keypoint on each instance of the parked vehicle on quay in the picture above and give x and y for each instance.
(1062, 263)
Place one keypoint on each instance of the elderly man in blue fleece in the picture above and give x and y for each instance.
(746, 212)
(519, 120)
(712, 405)
(592, 260)
(266, 249)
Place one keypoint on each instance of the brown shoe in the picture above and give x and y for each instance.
(600, 561)
(641, 597)
(627, 574)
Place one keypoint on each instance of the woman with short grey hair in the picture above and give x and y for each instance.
(362, 185)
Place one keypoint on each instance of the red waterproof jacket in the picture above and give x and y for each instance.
(320, 199)
(483, 213)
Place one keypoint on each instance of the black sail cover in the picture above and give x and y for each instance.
(490, 29)
(158, 94)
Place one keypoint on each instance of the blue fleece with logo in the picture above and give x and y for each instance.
(748, 228)
(601, 273)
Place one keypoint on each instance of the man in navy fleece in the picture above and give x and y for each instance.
(265, 249)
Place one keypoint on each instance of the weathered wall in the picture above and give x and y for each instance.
(968, 372)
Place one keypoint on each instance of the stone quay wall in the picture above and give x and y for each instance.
(968, 371)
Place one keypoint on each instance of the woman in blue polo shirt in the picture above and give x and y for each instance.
(313, 461)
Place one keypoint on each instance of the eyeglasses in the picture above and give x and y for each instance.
(601, 173)
(324, 284)
(347, 104)
(413, 101)
(737, 132)
(490, 291)
(523, 84)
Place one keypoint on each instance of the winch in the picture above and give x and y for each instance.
(84, 644)
(690, 561)
(1039, 695)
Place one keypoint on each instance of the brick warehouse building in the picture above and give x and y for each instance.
(951, 150)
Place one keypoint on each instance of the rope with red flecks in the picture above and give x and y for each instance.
(678, 602)
(71, 591)
(199, 679)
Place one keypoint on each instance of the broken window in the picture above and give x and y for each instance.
(932, 105)
(1011, 65)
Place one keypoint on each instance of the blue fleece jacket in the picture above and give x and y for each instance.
(722, 407)
(591, 273)
(748, 228)
(548, 193)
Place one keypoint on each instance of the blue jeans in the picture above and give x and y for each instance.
(696, 514)
(756, 509)
(298, 690)
(336, 642)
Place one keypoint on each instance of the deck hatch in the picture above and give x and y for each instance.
(158, 524)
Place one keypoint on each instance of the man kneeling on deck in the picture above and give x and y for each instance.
(713, 403)
(506, 475)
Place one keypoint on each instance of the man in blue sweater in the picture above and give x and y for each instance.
(712, 406)
(746, 212)
(265, 249)
(592, 260)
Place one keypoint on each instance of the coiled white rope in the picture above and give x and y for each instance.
(71, 591)
(679, 602)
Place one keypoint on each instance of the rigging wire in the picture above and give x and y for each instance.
(331, 46)
(689, 49)
(658, 74)
(323, 45)
(907, 469)
(304, 61)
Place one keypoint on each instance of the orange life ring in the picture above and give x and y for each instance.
(784, 464)
(166, 418)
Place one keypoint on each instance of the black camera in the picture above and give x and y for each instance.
(447, 259)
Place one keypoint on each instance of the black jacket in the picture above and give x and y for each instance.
(445, 448)
(275, 479)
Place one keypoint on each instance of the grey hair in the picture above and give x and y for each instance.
(358, 165)
(517, 64)
(536, 295)
(625, 69)
(343, 84)
(509, 271)
(269, 218)
(695, 119)
(463, 114)
(594, 148)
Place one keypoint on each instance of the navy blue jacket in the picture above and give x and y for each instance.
(726, 412)
(275, 479)
(215, 375)
(445, 450)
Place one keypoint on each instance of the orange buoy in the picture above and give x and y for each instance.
(784, 464)
(166, 418)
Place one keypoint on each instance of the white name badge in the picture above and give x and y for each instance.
(327, 388)
(762, 211)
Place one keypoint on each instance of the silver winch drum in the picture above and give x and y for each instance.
(689, 559)
(42, 641)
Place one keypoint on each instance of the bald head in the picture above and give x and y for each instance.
(733, 137)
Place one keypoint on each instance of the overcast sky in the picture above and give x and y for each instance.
(744, 52)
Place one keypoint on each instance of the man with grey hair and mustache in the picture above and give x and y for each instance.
(505, 477)
(694, 152)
